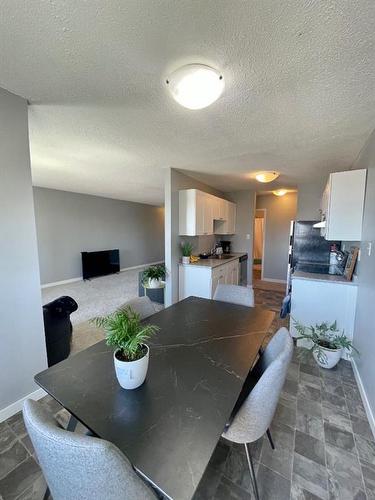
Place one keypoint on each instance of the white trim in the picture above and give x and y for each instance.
(272, 280)
(63, 282)
(15, 407)
(73, 280)
(142, 265)
(365, 400)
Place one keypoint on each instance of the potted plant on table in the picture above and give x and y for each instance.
(153, 276)
(187, 250)
(125, 331)
(327, 342)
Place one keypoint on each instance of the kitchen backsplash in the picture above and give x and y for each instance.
(200, 243)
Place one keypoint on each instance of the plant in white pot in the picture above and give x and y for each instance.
(327, 342)
(125, 331)
(187, 250)
(153, 276)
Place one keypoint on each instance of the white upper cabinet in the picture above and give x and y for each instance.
(342, 205)
(201, 213)
(228, 224)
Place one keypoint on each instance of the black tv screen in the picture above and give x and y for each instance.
(100, 263)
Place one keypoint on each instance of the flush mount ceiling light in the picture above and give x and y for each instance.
(195, 86)
(266, 176)
(280, 192)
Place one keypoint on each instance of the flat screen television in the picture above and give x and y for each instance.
(100, 263)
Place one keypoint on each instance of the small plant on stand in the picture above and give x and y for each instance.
(153, 276)
(327, 342)
(187, 250)
(125, 331)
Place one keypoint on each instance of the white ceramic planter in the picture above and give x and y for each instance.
(331, 358)
(186, 260)
(131, 374)
(154, 283)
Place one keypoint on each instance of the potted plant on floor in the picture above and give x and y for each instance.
(153, 276)
(187, 250)
(327, 342)
(128, 335)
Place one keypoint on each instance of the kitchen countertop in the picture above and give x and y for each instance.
(211, 263)
(326, 278)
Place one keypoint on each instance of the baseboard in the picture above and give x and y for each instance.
(62, 282)
(141, 265)
(366, 403)
(15, 407)
(272, 280)
(73, 280)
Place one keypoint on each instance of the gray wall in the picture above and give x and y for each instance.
(281, 210)
(364, 338)
(174, 181)
(242, 241)
(70, 223)
(22, 348)
(309, 197)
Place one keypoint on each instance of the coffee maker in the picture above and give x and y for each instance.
(225, 245)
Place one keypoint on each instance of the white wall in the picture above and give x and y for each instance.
(22, 344)
(364, 330)
(280, 211)
(175, 181)
(70, 223)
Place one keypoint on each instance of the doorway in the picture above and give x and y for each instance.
(258, 245)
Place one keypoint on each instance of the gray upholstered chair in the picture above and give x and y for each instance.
(279, 342)
(256, 413)
(142, 305)
(241, 295)
(79, 466)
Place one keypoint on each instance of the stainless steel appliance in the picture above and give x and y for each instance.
(308, 250)
(243, 270)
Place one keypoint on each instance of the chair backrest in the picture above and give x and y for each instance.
(142, 305)
(279, 342)
(79, 466)
(235, 294)
(256, 414)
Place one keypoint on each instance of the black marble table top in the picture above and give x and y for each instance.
(168, 427)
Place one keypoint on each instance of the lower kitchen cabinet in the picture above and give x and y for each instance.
(201, 281)
(315, 301)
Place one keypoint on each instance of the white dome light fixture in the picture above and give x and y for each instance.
(195, 86)
(280, 192)
(266, 176)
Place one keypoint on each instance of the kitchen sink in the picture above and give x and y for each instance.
(224, 256)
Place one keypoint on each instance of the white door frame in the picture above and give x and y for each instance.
(264, 210)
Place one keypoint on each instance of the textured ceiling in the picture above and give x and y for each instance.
(299, 97)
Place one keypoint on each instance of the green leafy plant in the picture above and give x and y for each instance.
(154, 273)
(323, 336)
(187, 249)
(125, 331)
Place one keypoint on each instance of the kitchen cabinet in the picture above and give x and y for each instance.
(201, 213)
(201, 280)
(228, 225)
(316, 300)
(342, 206)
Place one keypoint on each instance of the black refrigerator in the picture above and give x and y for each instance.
(308, 250)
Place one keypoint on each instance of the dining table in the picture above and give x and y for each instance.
(168, 427)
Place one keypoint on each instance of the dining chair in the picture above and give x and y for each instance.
(254, 417)
(241, 295)
(79, 466)
(141, 305)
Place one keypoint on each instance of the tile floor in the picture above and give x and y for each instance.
(324, 446)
